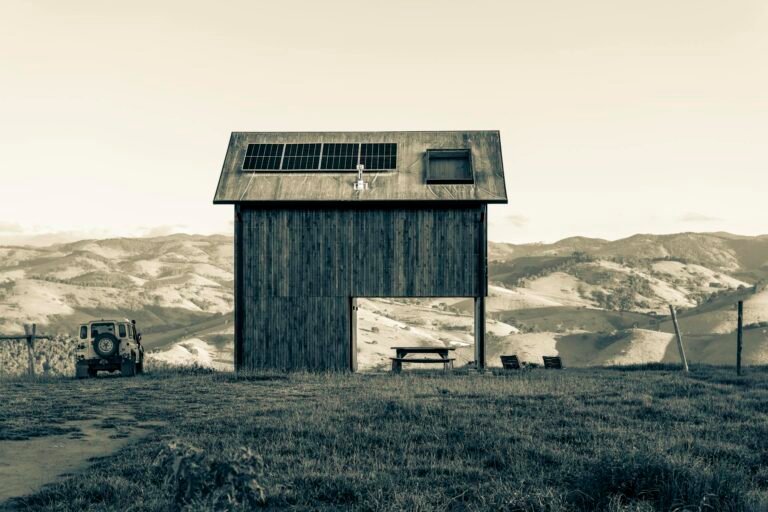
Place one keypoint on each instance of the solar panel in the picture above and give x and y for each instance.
(301, 156)
(378, 156)
(340, 156)
(263, 156)
(320, 156)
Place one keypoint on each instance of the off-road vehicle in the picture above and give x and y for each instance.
(109, 345)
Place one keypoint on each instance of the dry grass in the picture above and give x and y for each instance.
(52, 357)
(529, 440)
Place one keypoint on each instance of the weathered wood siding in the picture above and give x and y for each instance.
(291, 333)
(301, 265)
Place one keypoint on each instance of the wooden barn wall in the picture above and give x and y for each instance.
(361, 252)
(294, 333)
(301, 265)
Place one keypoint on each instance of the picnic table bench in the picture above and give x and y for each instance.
(442, 352)
(510, 362)
(553, 362)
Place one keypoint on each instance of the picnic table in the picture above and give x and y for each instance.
(441, 352)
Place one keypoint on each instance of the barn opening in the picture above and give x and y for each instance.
(379, 324)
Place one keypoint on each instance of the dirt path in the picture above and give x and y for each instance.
(29, 464)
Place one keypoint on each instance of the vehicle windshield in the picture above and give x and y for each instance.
(97, 329)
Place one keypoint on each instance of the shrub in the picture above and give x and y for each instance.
(200, 480)
(52, 357)
(658, 480)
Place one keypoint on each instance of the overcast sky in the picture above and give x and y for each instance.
(616, 116)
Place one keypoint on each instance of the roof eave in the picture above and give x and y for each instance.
(367, 201)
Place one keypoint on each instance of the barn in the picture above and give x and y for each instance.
(324, 218)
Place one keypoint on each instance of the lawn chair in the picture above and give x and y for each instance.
(510, 362)
(553, 362)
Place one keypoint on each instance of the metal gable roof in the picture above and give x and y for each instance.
(406, 183)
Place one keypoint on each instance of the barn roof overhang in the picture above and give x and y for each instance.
(406, 183)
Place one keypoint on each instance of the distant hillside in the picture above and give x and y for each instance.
(169, 284)
(743, 257)
(602, 302)
(642, 273)
(593, 301)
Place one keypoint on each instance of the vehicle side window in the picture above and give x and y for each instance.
(131, 333)
(121, 330)
(83, 332)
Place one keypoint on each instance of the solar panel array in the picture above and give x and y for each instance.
(320, 156)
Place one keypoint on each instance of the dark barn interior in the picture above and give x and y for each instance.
(324, 218)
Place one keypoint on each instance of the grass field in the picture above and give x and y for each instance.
(630, 439)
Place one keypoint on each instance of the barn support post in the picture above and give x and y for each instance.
(353, 334)
(480, 358)
(739, 336)
(482, 290)
(239, 296)
(30, 330)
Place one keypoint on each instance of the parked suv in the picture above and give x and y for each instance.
(109, 345)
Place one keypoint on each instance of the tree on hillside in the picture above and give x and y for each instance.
(626, 294)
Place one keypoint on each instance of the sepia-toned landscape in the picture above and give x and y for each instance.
(433, 256)
(593, 302)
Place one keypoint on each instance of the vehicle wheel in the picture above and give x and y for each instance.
(106, 345)
(128, 368)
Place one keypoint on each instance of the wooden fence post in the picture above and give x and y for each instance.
(29, 330)
(680, 348)
(739, 337)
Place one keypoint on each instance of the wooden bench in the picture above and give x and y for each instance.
(510, 362)
(553, 362)
(397, 362)
(399, 359)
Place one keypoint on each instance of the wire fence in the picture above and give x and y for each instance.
(54, 356)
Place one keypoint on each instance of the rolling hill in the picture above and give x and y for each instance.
(595, 302)
(170, 285)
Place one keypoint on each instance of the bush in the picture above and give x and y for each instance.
(162, 368)
(52, 357)
(661, 481)
(221, 481)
